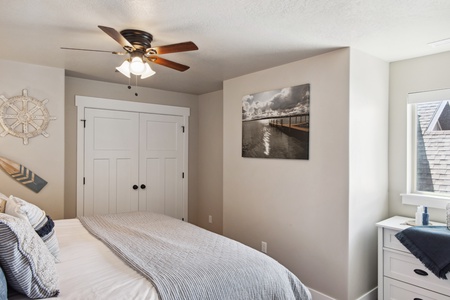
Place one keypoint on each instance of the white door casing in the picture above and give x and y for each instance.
(125, 137)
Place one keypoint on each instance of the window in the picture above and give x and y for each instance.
(428, 172)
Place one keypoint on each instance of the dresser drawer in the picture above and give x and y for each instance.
(397, 290)
(390, 241)
(402, 266)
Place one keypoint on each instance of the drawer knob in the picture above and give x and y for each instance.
(420, 272)
(418, 299)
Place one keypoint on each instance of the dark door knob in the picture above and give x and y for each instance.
(135, 187)
(143, 186)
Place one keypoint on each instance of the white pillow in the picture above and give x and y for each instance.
(28, 265)
(41, 223)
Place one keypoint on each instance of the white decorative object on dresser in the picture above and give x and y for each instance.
(400, 274)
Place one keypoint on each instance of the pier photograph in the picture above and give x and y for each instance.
(275, 124)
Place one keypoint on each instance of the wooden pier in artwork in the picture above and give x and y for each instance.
(296, 125)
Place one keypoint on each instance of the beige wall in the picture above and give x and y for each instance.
(311, 212)
(44, 156)
(413, 75)
(210, 154)
(76, 86)
(368, 155)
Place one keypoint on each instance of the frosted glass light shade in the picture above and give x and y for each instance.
(148, 71)
(137, 66)
(124, 68)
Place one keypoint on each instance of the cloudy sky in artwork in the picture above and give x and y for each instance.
(276, 103)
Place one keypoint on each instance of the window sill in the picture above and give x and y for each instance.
(425, 200)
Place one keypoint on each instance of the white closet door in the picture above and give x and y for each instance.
(161, 164)
(111, 161)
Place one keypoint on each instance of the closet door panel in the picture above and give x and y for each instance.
(160, 133)
(152, 198)
(171, 187)
(161, 146)
(111, 162)
(101, 171)
(126, 198)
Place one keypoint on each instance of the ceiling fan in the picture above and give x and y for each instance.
(137, 44)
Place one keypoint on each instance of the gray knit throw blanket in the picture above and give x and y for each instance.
(184, 261)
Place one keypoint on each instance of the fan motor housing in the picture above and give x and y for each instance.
(141, 40)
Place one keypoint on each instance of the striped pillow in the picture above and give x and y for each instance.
(41, 223)
(28, 265)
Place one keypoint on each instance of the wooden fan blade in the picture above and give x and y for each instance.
(93, 50)
(117, 37)
(180, 47)
(168, 63)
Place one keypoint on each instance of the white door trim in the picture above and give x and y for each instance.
(83, 102)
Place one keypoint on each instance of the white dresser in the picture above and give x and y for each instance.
(401, 276)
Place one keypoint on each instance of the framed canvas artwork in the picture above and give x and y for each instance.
(275, 124)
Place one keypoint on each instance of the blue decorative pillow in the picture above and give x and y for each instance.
(28, 265)
(3, 286)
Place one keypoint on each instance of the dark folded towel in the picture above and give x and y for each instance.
(431, 245)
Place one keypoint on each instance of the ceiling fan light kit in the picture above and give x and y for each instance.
(136, 67)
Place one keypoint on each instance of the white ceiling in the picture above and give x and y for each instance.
(235, 37)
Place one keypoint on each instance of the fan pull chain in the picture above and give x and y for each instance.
(129, 85)
(136, 94)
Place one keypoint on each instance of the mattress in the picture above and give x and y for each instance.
(87, 269)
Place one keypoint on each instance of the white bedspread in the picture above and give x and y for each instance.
(89, 270)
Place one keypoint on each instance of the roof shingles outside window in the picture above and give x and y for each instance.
(433, 148)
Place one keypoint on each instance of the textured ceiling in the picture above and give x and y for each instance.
(235, 37)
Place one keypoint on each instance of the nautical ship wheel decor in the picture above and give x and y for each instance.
(24, 117)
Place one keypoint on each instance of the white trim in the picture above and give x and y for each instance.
(370, 295)
(411, 138)
(436, 116)
(83, 102)
(103, 103)
(185, 167)
(319, 296)
(428, 96)
(425, 200)
(411, 197)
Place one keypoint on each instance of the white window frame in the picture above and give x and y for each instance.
(412, 196)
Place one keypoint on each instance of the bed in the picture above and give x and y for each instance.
(141, 255)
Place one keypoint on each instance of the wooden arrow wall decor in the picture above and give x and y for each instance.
(22, 174)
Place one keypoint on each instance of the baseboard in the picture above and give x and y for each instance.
(319, 296)
(371, 295)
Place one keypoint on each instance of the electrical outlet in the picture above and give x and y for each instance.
(210, 219)
(263, 247)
